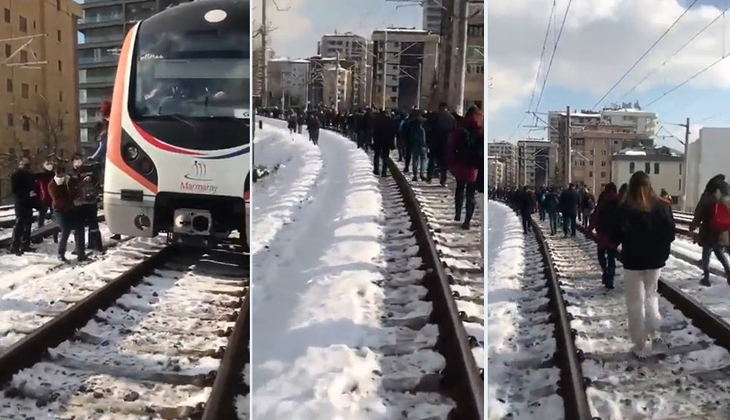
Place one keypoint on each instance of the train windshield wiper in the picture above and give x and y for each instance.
(181, 118)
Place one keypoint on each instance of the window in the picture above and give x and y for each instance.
(23, 56)
(632, 167)
(603, 174)
(37, 120)
(26, 123)
(58, 35)
(11, 151)
(603, 163)
(680, 169)
(592, 151)
(590, 174)
(60, 124)
(647, 168)
(9, 85)
(24, 90)
(58, 5)
(36, 88)
(60, 96)
(656, 169)
(10, 120)
(603, 152)
(60, 66)
(680, 185)
(8, 50)
(23, 23)
(7, 15)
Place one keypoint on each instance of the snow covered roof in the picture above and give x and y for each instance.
(649, 153)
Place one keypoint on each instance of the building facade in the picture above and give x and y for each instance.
(287, 85)
(257, 65)
(431, 17)
(341, 98)
(662, 164)
(507, 153)
(495, 172)
(534, 162)
(592, 153)
(40, 107)
(474, 79)
(409, 63)
(104, 25)
(355, 50)
(706, 158)
(641, 122)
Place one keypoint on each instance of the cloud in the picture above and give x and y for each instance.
(287, 26)
(601, 40)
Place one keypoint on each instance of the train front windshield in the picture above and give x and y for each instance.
(203, 73)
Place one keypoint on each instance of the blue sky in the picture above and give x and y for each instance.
(601, 40)
(299, 28)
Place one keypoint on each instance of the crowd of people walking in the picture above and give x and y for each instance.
(637, 223)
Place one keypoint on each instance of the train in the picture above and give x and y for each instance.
(178, 156)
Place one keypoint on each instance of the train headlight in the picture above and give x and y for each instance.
(146, 166)
(131, 153)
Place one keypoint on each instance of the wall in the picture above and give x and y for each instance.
(707, 158)
(669, 176)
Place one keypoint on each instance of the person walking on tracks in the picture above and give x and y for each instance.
(569, 204)
(464, 153)
(68, 215)
(526, 206)
(645, 230)
(708, 216)
(44, 202)
(313, 125)
(603, 220)
(418, 148)
(551, 204)
(384, 130)
(24, 195)
(87, 200)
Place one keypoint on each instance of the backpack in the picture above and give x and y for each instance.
(720, 220)
(465, 146)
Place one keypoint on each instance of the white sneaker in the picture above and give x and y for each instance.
(641, 354)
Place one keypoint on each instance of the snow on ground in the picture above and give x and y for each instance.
(318, 302)
(277, 195)
(36, 287)
(520, 335)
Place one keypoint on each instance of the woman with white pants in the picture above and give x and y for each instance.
(645, 230)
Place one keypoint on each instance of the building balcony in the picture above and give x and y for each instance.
(100, 3)
(100, 20)
(102, 41)
(108, 61)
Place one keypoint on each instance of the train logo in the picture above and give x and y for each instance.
(198, 172)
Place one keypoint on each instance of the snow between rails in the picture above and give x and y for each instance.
(316, 307)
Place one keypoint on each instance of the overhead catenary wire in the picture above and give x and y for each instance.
(552, 57)
(664, 63)
(713, 64)
(626, 73)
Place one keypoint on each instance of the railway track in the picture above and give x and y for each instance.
(167, 339)
(688, 377)
(431, 329)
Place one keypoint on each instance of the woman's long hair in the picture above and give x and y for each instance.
(640, 195)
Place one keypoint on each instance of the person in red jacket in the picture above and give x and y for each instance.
(44, 201)
(603, 220)
(463, 156)
(62, 192)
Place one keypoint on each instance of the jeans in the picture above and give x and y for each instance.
(718, 251)
(541, 209)
(380, 156)
(642, 302)
(471, 200)
(88, 218)
(553, 216)
(70, 220)
(607, 261)
(419, 162)
(440, 160)
(569, 222)
(21, 230)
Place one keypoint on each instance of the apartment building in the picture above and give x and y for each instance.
(507, 153)
(287, 83)
(495, 172)
(663, 164)
(474, 78)
(355, 50)
(104, 25)
(643, 122)
(404, 71)
(257, 67)
(593, 149)
(556, 131)
(341, 98)
(39, 110)
(534, 162)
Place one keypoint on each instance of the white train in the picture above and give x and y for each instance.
(178, 150)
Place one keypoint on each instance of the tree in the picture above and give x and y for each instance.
(49, 124)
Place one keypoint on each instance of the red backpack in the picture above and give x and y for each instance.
(720, 221)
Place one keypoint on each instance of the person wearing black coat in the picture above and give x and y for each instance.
(551, 204)
(384, 131)
(644, 228)
(525, 207)
(709, 239)
(569, 204)
(441, 124)
(22, 185)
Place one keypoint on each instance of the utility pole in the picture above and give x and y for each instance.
(686, 165)
(418, 94)
(569, 148)
(337, 81)
(264, 65)
(460, 52)
(385, 64)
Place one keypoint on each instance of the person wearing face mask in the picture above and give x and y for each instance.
(22, 187)
(86, 196)
(62, 191)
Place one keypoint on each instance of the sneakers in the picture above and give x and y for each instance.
(467, 226)
(28, 249)
(62, 258)
(705, 281)
(641, 353)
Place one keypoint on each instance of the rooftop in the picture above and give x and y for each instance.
(661, 152)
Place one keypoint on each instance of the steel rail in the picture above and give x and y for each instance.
(572, 383)
(462, 377)
(49, 229)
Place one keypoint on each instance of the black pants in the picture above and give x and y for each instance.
(68, 221)
(553, 216)
(569, 223)
(21, 230)
(314, 136)
(407, 159)
(42, 215)
(717, 250)
(437, 158)
(471, 200)
(607, 261)
(378, 157)
(541, 209)
(525, 221)
(88, 218)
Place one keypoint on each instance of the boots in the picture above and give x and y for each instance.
(706, 279)
(459, 201)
